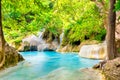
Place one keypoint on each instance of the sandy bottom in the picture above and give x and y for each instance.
(81, 74)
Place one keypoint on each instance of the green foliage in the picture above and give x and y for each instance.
(79, 19)
(118, 50)
(117, 5)
(24, 17)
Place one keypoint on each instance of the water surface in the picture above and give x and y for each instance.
(39, 65)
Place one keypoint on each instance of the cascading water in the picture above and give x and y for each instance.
(40, 36)
(42, 44)
(96, 51)
(34, 43)
(61, 38)
(31, 41)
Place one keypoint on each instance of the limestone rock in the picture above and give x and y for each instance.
(12, 57)
(111, 69)
(34, 43)
(48, 46)
(69, 48)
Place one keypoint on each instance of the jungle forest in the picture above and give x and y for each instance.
(59, 39)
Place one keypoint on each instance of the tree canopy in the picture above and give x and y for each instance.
(80, 20)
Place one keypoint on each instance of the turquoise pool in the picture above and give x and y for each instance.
(37, 65)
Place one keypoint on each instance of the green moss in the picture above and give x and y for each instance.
(118, 50)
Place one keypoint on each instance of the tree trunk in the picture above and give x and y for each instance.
(2, 41)
(111, 49)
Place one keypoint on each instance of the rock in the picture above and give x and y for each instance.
(48, 47)
(34, 43)
(69, 48)
(30, 43)
(97, 66)
(12, 57)
(94, 51)
(75, 48)
(100, 65)
(111, 69)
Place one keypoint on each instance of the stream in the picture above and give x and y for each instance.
(49, 65)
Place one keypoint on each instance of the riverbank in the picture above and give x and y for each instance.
(48, 63)
(12, 57)
(110, 69)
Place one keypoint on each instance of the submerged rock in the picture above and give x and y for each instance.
(82, 74)
(94, 51)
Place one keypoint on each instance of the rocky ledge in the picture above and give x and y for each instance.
(37, 43)
(12, 57)
(110, 68)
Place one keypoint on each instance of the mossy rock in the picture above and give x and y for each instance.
(49, 36)
(12, 57)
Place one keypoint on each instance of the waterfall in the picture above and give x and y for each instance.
(31, 42)
(46, 46)
(42, 44)
(40, 36)
(37, 43)
(95, 51)
(61, 38)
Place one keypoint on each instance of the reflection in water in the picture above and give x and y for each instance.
(40, 66)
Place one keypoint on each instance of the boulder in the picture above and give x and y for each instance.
(30, 43)
(111, 69)
(12, 57)
(34, 43)
(48, 46)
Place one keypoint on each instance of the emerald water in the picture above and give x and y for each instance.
(47, 65)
